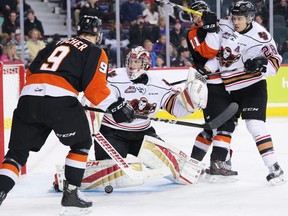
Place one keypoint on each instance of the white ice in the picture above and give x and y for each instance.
(251, 196)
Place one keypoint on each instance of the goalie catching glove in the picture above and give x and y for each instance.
(258, 64)
(195, 94)
(121, 111)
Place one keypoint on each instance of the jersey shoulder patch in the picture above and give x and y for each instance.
(117, 75)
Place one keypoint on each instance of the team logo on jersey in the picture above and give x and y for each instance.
(142, 106)
(141, 90)
(227, 58)
(130, 89)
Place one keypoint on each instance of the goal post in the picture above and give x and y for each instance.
(11, 82)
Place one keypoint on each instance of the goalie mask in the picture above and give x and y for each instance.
(244, 8)
(90, 25)
(138, 61)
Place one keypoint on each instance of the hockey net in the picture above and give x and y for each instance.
(11, 83)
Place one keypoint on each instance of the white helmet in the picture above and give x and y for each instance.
(141, 54)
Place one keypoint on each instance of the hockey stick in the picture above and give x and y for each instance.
(181, 7)
(228, 113)
(205, 75)
(112, 152)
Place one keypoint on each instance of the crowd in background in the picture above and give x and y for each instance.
(142, 23)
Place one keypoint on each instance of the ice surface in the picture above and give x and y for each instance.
(251, 196)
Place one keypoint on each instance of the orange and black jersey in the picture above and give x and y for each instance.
(202, 46)
(68, 67)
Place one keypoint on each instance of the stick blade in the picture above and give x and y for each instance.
(227, 114)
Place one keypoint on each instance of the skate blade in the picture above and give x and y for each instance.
(75, 211)
(278, 181)
(220, 179)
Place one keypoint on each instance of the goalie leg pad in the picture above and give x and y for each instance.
(99, 174)
(180, 169)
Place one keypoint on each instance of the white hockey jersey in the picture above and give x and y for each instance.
(145, 99)
(236, 48)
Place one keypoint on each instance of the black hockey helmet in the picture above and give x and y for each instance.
(244, 8)
(200, 5)
(90, 25)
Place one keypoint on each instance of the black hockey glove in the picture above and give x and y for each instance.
(209, 20)
(258, 64)
(121, 111)
(202, 70)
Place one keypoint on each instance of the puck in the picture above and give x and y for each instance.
(108, 189)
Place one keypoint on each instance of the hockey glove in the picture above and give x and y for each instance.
(258, 64)
(121, 111)
(202, 70)
(209, 20)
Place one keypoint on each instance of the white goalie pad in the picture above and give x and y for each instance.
(181, 169)
(99, 174)
(195, 94)
(94, 118)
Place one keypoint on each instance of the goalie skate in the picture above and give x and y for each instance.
(221, 172)
(73, 201)
(276, 175)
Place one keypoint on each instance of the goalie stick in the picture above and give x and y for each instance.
(228, 113)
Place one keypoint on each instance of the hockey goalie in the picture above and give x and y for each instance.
(152, 157)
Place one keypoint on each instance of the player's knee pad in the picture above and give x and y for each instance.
(256, 127)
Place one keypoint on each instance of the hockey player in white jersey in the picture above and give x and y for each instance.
(147, 93)
(250, 53)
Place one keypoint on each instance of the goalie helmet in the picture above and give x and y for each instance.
(90, 25)
(244, 8)
(138, 61)
(200, 5)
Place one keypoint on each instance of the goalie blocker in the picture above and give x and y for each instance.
(156, 159)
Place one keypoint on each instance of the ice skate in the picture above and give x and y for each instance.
(276, 175)
(2, 196)
(74, 202)
(221, 172)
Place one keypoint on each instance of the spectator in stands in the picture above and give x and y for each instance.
(91, 8)
(139, 32)
(160, 44)
(184, 16)
(151, 13)
(10, 24)
(261, 8)
(17, 42)
(162, 11)
(173, 54)
(158, 30)
(284, 47)
(184, 57)
(6, 6)
(148, 45)
(34, 43)
(26, 8)
(76, 7)
(176, 33)
(160, 62)
(183, 42)
(9, 53)
(112, 42)
(260, 20)
(281, 9)
(32, 23)
(130, 11)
